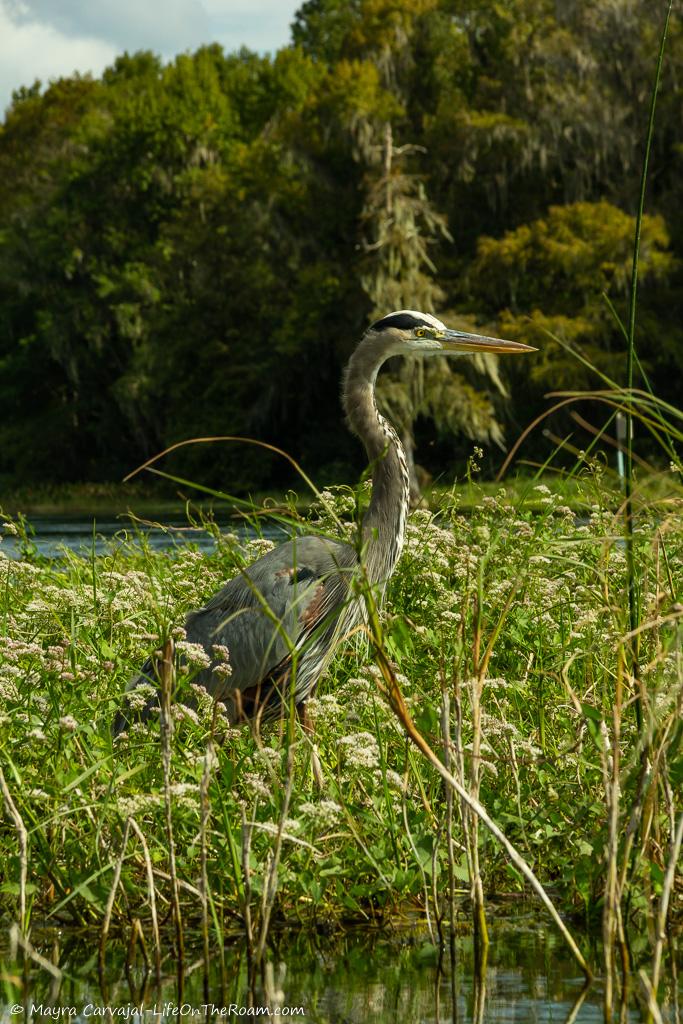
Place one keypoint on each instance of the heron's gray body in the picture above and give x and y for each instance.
(280, 620)
(282, 617)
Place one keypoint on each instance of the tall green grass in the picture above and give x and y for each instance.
(74, 631)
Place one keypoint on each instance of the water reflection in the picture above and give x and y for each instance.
(362, 976)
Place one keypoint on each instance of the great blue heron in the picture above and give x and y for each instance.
(283, 616)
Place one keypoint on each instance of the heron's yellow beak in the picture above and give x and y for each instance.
(460, 341)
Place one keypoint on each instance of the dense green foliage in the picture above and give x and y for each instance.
(192, 249)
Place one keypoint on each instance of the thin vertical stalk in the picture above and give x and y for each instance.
(271, 882)
(137, 937)
(166, 679)
(152, 896)
(479, 985)
(676, 840)
(247, 829)
(653, 1011)
(446, 733)
(110, 901)
(209, 758)
(611, 773)
(22, 836)
(423, 874)
(481, 935)
(630, 361)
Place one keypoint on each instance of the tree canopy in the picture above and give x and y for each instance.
(194, 248)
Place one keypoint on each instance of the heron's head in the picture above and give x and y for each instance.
(409, 332)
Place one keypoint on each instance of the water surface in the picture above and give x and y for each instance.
(364, 976)
(87, 533)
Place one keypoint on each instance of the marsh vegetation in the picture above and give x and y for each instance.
(507, 632)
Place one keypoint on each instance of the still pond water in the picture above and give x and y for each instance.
(82, 534)
(366, 977)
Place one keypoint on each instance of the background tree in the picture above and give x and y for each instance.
(399, 274)
(194, 247)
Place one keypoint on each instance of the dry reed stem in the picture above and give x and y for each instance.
(182, 884)
(106, 921)
(633, 827)
(576, 1008)
(437, 902)
(247, 829)
(152, 895)
(166, 680)
(611, 772)
(425, 886)
(480, 965)
(676, 840)
(480, 664)
(209, 758)
(22, 836)
(654, 1013)
(476, 687)
(270, 888)
(446, 734)
(137, 936)
(20, 941)
(392, 692)
(459, 773)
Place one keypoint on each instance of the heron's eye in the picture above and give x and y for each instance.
(420, 332)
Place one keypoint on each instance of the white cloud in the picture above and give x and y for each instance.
(170, 26)
(29, 51)
(48, 39)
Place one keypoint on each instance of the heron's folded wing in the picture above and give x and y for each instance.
(262, 614)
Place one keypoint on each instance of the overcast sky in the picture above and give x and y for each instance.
(48, 38)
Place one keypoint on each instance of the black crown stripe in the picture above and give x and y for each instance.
(403, 321)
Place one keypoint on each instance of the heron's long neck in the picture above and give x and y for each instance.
(385, 520)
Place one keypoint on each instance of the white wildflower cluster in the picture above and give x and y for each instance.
(257, 548)
(137, 698)
(334, 511)
(392, 778)
(360, 750)
(353, 698)
(183, 794)
(263, 769)
(546, 495)
(494, 726)
(268, 756)
(325, 814)
(184, 713)
(194, 654)
(324, 710)
(38, 794)
(192, 578)
(221, 665)
(204, 703)
(289, 826)
(127, 591)
(256, 784)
